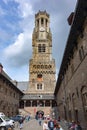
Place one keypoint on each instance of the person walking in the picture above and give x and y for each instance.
(58, 127)
(72, 125)
(40, 119)
(78, 126)
(21, 123)
(45, 125)
(51, 124)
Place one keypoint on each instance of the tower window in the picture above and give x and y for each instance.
(42, 21)
(41, 48)
(46, 22)
(39, 75)
(39, 86)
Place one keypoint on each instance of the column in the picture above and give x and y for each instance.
(31, 103)
(44, 103)
(24, 103)
(44, 22)
(51, 103)
(37, 103)
(39, 22)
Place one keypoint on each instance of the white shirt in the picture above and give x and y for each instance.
(45, 126)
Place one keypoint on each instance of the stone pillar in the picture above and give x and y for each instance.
(37, 102)
(39, 22)
(44, 22)
(51, 103)
(44, 103)
(31, 103)
(24, 103)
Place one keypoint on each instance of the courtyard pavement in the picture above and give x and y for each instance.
(34, 125)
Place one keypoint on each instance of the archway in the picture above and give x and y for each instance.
(39, 114)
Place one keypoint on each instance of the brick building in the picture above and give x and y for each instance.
(71, 86)
(10, 95)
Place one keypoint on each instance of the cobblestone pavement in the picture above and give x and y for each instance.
(30, 125)
(34, 125)
(63, 125)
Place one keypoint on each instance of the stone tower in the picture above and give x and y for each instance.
(40, 93)
(42, 65)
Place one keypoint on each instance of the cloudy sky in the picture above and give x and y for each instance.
(17, 19)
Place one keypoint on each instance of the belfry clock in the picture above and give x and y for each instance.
(42, 29)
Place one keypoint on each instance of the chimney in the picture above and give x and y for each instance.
(1, 68)
(70, 18)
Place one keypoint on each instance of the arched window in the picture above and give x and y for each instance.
(42, 21)
(39, 86)
(74, 100)
(84, 99)
(81, 53)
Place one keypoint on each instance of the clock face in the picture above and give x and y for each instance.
(42, 29)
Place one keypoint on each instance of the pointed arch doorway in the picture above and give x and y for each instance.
(39, 114)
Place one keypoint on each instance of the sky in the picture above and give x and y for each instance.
(17, 21)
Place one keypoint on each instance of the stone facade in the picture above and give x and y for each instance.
(71, 86)
(41, 65)
(10, 95)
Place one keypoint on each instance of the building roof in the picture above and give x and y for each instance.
(38, 96)
(42, 13)
(4, 75)
(75, 31)
(22, 85)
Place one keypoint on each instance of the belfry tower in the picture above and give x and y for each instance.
(39, 94)
(42, 65)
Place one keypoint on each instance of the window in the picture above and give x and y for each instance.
(84, 100)
(39, 76)
(72, 68)
(39, 86)
(41, 48)
(42, 21)
(81, 53)
(46, 22)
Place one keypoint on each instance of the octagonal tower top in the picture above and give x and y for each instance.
(40, 13)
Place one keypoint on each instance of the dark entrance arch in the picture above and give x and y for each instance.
(39, 113)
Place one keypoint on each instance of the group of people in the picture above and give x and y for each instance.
(75, 126)
(51, 125)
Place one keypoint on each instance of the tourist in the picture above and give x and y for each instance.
(78, 126)
(58, 127)
(51, 124)
(40, 119)
(45, 125)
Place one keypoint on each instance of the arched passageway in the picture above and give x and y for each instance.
(39, 114)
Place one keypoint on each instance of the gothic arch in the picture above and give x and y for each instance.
(84, 99)
(75, 108)
(74, 100)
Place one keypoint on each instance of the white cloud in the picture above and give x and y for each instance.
(25, 8)
(16, 47)
(18, 51)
